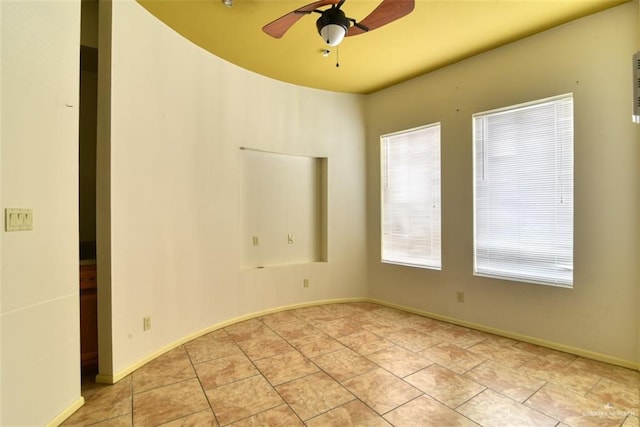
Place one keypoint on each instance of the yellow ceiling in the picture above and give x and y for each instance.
(435, 34)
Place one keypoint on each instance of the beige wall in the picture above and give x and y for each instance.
(178, 118)
(39, 307)
(589, 57)
(280, 196)
(638, 262)
(2, 383)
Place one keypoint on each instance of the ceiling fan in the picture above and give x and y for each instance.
(333, 25)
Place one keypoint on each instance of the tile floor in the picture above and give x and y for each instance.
(362, 364)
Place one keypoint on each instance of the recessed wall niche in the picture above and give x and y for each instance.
(282, 208)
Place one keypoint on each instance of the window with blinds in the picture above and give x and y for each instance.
(523, 192)
(410, 181)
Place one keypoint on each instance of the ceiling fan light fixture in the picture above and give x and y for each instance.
(333, 34)
(333, 26)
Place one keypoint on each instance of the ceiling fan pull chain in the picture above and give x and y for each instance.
(338, 56)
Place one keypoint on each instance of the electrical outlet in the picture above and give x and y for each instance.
(255, 240)
(146, 323)
(305, 283)
(460, 296)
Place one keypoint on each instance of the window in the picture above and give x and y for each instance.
(411, 197)
(523, 195)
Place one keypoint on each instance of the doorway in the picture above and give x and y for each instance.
(87, 209)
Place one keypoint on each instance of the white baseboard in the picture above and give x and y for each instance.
(77, 404)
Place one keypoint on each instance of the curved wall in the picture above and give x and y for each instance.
(178, 118)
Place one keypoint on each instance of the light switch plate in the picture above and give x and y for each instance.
(18, 219)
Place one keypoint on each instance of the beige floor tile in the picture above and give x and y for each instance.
(445, 385)
(265, 346)
(381, 390)
(502, 350)
(217, 372)
(122, 421)
(572, 408)
(550, 355)
(302, 331)
(616, 395)
(90, 386)
(289, 329)
(399, 361)
(422, 324)
(247, 330)
(103, 402)
(568, 376)
(538, 366)
(394, 314)
(426, 411)
(412, 339)
(492, 409)
(285, 367)
(631, 421)
(314, 314)
(343, 364)
(354, 413)
(458, 335)
(282, 321)
(365, 306)
(365, 342)
(168, 403)
(279, 416)
(242, 399)
(339, 327)
(342, 310)
(502, 341)
(616, 373)
(513, 383)
(314, 394)
(453, 357)
(172, 367)
(380, 326)
(211, 346)
(313, 346)
(203, 418)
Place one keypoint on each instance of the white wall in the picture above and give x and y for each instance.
(178, 118)
(591, 58)
(39, 306)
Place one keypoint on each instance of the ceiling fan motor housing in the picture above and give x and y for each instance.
(333, 26)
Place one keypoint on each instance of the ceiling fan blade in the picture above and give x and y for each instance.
(386, 12)
(281, 25)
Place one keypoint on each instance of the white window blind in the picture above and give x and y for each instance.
(411, 197)
(523, 167)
